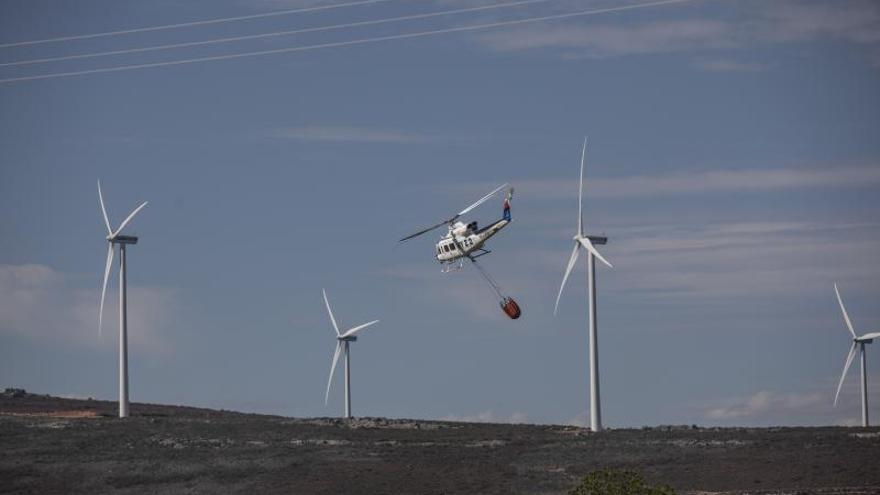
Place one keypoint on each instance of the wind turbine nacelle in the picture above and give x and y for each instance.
(125, 239)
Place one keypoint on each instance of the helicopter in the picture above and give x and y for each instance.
(466, 241)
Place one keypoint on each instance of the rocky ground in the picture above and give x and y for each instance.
(51, 445)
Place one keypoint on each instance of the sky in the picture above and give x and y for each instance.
(733, 162)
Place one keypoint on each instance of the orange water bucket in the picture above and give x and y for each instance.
(511, 308)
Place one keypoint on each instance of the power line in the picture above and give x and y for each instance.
(275, 33)
(362, 41)
(193, 23)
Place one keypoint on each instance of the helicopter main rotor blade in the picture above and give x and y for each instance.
(481, 200)
(425, 231)
(462, 212)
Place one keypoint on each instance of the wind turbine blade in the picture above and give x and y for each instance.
(104, 210)
(330, 312)
(849, 360)
(843, 310)
(424, 231)
(581, 191)
(359, 328)
(874, 335)
(482, 200)
(589, 245)
(332, 369)
(571, 262)
(125, 222)
(104, 286)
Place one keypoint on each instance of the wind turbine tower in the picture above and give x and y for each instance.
(114, 239)
(857, 341)
(343, 340)
(587, 242)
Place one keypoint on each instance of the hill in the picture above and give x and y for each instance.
(53, 445)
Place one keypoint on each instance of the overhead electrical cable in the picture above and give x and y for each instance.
(275, 33)
(473, 27)
(193, 23)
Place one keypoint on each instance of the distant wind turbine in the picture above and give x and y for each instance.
(342, 341)
(587, 241)
(115, 239)
(859, 341)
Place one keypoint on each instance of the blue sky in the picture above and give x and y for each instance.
(733, 162)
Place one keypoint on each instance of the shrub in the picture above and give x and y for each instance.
(613, 482)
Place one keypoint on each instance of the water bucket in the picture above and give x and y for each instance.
(511, 308)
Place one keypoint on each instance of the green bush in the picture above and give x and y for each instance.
(612, 482)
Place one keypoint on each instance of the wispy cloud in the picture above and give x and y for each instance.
(680, 29)
(38, 302)
(348, 134)
(488, 417)
(604, 41)
(695, 264)
(747, 259)
(707, 182)
(724, 65)
(811, 407)
(767, 403)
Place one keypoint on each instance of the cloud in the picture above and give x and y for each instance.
(40, 303)
(731, 66)
(750, 24)
(766, 403)
(606, 41)
(347, 134)
(740, 261)
(788, 408)
(857, 21)
(707, 182)
(747, 259)
(488, 417)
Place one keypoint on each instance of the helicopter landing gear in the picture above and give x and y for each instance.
(452, 266)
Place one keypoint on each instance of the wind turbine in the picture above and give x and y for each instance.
(859, 341)
(115, 239)
(587, 242)
(342, 341)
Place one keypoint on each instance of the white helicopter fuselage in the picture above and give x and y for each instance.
(464, 239)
